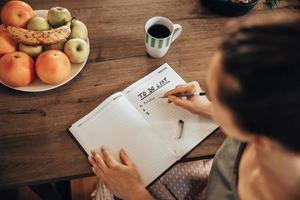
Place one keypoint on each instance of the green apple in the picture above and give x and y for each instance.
(77, 50)
(79, 30)
(38, 24)
(32, 51)
(57, 46)
(58, 16)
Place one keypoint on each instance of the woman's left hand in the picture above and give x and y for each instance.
(122, 179)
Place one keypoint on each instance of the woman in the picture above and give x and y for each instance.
(253, 86)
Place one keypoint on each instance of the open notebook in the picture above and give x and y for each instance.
(144, 124)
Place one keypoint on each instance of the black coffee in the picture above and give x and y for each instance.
(159, 31)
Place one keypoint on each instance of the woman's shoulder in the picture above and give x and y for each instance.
(229, 148)
(223, 176)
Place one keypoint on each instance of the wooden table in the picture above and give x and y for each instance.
(34, 145)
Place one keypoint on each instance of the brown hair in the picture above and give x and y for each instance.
(264, 57)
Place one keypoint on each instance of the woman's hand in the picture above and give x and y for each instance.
(122, 179)
(196, 104)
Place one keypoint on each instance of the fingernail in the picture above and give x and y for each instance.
(103, 152)
(123, 151)
(93, 152)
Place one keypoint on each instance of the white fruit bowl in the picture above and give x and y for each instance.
(37, 85)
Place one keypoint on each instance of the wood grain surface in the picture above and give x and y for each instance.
(34, 144)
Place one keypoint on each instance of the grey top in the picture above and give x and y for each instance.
(222, 181)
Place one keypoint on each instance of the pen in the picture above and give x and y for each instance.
(187, 95)
(181, 125)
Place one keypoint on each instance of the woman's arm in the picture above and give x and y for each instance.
(122, 179)
(197, 104)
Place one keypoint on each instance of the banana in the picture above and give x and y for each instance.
(34, 38)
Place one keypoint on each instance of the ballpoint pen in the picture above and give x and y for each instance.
(188, 95)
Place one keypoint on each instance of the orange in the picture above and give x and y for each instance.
(53, 67)
(16, 13)
(16, 69)
(8, 44)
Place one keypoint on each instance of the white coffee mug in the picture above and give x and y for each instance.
(158, 47)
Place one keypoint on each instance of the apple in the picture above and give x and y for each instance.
(32, 51)
(53, 67)
(16, 13)
(79, 30)
(7, 42)
(38, 24)
(16, 69)
(57, 46)
(77, 50)
(58, 16)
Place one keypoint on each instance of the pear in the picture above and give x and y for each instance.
(58, 46)
(78, 30)
(38, 24)
(58, 16)
(32, 51)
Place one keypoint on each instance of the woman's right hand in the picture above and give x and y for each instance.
(197, 104)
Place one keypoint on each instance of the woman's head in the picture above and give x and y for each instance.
(255, 81)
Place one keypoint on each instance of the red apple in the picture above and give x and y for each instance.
(16, 69)
(53, 67)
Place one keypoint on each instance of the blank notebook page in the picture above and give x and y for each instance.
(119, 125)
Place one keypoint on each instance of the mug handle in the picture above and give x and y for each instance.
(177, 31)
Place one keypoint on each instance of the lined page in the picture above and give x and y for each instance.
(145, 96)
(117, 124)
